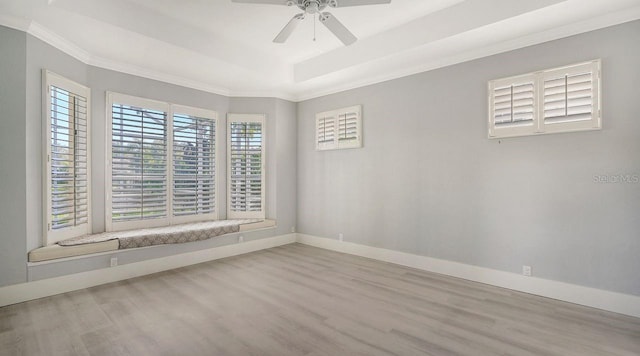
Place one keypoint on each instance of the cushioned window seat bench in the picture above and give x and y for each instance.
(112, 241)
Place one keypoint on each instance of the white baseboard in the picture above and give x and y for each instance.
(611, 301)
(43, 288)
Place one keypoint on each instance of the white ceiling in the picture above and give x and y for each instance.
(227, 48)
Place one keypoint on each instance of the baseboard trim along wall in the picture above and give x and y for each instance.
(591, 297)
(43, 288)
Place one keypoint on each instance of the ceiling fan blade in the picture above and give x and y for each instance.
(345, 3)
(269, 2)
(288, 29)
(337, 28)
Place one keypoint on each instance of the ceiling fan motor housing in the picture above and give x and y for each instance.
(314, 6)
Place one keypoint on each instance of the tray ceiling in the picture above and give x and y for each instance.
(227, 48)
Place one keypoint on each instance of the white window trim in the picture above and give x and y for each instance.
(52, 79)
(170, 109)
(539, 127)
(260, 118)
(336, 144)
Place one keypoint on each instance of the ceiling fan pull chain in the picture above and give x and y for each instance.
(314, 28)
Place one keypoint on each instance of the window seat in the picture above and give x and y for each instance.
(111, 241)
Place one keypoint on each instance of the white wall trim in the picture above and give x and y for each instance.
(597, 298)
(43, 288)
(47, 36)
(16, 23)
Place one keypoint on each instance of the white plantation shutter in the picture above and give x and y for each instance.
(194, 165)
(67, 159)
(556, 100)
(349, 128)
(341, 128)
(571, 97)
(512, 106)
(246, 166)
(139, 163)
(325, 132)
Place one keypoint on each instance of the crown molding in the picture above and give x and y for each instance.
(601, 22)
(297, 95)
(44, 34)
(127, 68)
(16, 23)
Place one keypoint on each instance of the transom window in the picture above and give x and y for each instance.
(556, 100)
(338, 129)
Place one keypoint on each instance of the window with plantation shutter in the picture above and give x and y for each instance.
(68, 179)
(246, 175)
(570, 97)
(194, 164)
(337, 129)
(555, 100)
(139, 163)
(161, 163)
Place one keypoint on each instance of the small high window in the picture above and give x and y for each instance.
(556, 100)
(337, 129)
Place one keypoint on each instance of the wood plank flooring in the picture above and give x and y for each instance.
(301, 300)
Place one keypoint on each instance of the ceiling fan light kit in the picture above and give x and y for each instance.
(313, 7)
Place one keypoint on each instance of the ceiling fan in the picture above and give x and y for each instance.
(313, 7)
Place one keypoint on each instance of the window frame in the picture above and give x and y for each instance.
(539, 126)
(50, 79)
(170, 110)
(249, 118)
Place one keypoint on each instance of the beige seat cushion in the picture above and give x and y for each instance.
(56, 251)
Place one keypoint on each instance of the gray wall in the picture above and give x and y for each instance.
(22, 58)
(13, 187)
(429, 182)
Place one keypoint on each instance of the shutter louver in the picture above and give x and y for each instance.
(246, 170)
(193, 165)
(139, 163)
(568, 98)
(325, 131)
(68, 160)
(513, 105)
(348, 126)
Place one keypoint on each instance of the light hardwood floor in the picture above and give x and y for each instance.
(301, 300)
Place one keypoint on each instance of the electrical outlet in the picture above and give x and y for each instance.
(526, 271)
(293, 229)
(240, 238)
(341, 237)
(114, 261)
